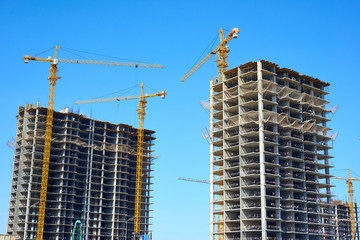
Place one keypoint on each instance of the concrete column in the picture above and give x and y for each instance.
(337, 223)
(261, 152)
(276, 150)
(241, 160)
(26, 227)
(101, 187)
(115, 184)
(211, 161)
(223, 134)
(88, 177)
(240, 141)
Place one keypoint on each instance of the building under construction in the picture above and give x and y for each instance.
(269, 155)
(91, 177)
(342, 220)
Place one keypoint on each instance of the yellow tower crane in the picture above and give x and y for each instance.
(140, 144)
(49, 119)
(351, 201)
(222, 51)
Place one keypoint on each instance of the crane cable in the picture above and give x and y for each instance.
(74, 53)
(151, 88)
(44, 51)
(70, 50)
(102, 55)
(210, 46)
(355, 173)
(122, 91)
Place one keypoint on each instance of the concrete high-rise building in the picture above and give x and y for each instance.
(91, 177)
(269, 155)
(342, 220)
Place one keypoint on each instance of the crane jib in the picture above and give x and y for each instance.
(89, 61)
(222, 66)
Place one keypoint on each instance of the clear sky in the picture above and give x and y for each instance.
(316, 38)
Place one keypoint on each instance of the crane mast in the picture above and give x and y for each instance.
(351, 202)
(49, 120)
(139, 161)
(140, 145)
(48, 132)
(222, 55)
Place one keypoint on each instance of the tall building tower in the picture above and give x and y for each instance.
(269, 155)
(342, 220)
(91, 177)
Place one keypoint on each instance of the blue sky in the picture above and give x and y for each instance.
(316, 38)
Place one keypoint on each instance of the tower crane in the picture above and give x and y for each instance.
(222, 51)
(49, 119)
(349, 180)
(140, 143)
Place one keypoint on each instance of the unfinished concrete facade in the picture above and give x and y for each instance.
(342, 220)
(269, 155)
(91, 177)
